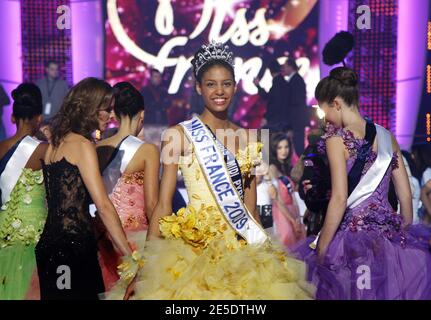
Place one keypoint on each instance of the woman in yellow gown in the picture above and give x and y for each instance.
(197, 253)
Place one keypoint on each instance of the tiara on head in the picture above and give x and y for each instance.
(210, 52)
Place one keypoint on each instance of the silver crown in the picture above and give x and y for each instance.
(213, 51)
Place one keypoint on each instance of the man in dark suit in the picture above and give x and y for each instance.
(275, 98)
(156, 99)
(295, 111)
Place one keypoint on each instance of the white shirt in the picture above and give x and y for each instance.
(262, 191)
(287, 78)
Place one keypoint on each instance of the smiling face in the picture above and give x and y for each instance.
(217, 88)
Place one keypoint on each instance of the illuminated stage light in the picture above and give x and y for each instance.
(374, 58)
(319, 112)
(428, 126)
(428, 79)
(42, 40)
(429, 35)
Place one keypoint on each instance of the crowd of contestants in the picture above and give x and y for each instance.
(64, 174)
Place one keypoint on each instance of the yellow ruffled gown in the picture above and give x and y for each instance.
(201, 258)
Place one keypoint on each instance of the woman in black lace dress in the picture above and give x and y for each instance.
(67, 252)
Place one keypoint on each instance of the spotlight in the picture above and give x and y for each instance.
(319, 112)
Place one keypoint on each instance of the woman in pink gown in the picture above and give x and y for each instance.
(130, 174)
(285, 211)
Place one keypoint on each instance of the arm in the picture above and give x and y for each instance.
(89, 168)
(260, 91)
(273, 174)
(171, 151)
(338, 202)
(402, 186)
(151, 178)
(250, 198)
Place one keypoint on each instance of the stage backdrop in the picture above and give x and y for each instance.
(145, 34)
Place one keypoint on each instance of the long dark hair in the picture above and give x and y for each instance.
(79, 111)
(284, 166)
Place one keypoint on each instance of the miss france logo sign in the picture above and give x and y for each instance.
(182, 26)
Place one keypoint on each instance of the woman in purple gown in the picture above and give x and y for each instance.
(365, 250)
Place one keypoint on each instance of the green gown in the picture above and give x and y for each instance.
(21, 222)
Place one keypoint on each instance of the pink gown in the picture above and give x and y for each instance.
(284, 228)
(128, 200)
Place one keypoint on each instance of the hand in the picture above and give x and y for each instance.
(306, 185)
(264, 122)
(321, 251)
(130, 289)
(297, 228)
(272, 192)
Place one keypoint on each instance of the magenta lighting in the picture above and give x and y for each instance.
(10, 55)
(412, 44)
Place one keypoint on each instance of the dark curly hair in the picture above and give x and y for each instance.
(284, 166)
(79, 111)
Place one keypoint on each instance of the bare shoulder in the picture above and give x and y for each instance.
(395, 145)
(78, 147)
(172, 131)
(84, 144)
(273, 171)
(149, 150)
(334, 141)
(335, 147)
(4, 146)
(42, 148)
(174, 135)
(104, 142)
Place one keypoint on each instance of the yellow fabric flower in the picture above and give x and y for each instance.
(195, 227)
(249, 158)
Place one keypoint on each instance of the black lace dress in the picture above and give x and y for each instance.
(66, 254)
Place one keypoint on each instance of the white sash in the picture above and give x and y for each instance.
(221, 185)
(371, 180)
(16, 163)
(115, 169)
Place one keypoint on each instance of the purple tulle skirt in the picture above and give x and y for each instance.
(369, 265)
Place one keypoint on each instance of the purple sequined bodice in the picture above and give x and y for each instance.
(374, 213)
